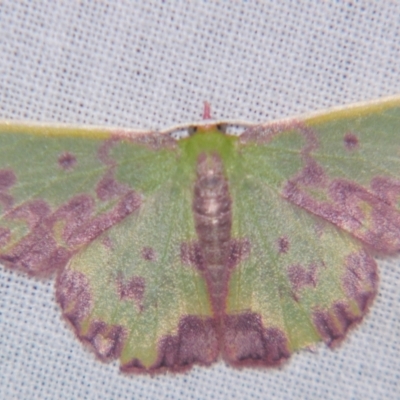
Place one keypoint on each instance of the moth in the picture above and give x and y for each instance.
(169, 252)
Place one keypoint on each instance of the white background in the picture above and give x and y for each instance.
(150, 65)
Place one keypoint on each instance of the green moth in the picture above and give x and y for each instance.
(173, 252)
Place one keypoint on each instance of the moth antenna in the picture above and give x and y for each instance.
(207, 110)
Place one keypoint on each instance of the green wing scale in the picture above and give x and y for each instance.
(173, 252)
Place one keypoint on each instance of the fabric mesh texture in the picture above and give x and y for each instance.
(150, 65)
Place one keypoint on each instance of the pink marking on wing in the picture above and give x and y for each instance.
(149, 254)
(131, 289)
(387, 189)
(300, 277)
(104, 151)
(240, 250)
(92, 228)
(67, 161)
(7, 179)
(6, 200)
(312, 174)
(360, 281)
(33, 212)
(311, 137)
(380, 229)
(334, 324)
(106, 340)
(246, 342)
(350, 141)
(368, 215)
(191, 254)
(196, 342)
(37, 253)
(108, 188)
(283, 245)
(73, 293)
(384, 233)
(5, 236)
(74, 296)
(76, 212)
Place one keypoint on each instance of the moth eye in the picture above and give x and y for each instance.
(192, 130)
(222, 128)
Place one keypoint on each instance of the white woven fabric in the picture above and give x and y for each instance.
(152, 64)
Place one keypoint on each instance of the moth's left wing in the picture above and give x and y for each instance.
(112, 214)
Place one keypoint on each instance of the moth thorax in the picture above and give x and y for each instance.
(212, 209)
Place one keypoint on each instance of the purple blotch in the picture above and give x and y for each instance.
(149, 254)
(67, 161)
(300, 277)
(90, 228)
(76, 212)
(191, 254)
(6, 200)
(334, 323)
(131, 289)
(39, 253)
(33, 212)
(345, 210)
(106, 340)
(104, 151)
(248, 343)
(5, 236)
(283, 245)
(7, 179)
(360, 280)
(108, 187)
(196, 342)
(74, 296)
(387, 189)
(350, 141)
(360, 283)
(312, 174)
(240, 250)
